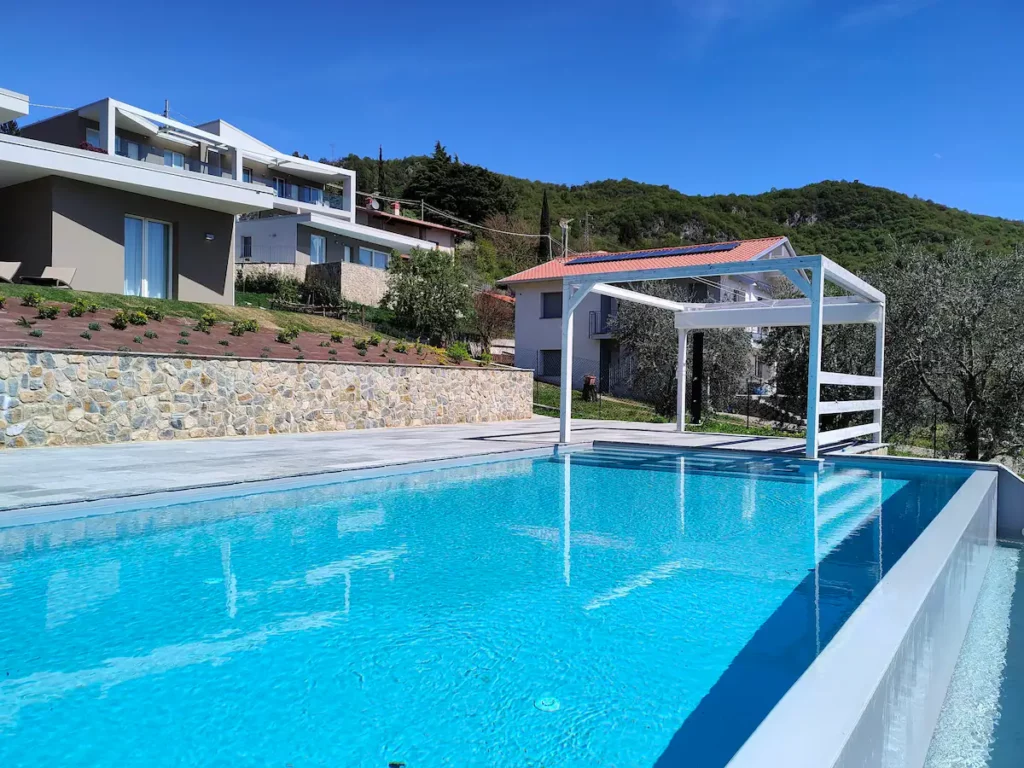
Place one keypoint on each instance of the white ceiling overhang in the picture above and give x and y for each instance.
(389, 240)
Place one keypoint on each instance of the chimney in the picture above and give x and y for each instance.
(396, 208)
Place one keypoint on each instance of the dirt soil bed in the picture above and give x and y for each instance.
(179, 336)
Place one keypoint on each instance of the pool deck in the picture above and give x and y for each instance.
(37, 477)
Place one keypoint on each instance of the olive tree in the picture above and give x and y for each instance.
(429, 294)
(648, 339)
(955, 338)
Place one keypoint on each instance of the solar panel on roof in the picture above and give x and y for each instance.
(682, 251)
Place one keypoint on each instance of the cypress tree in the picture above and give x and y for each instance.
(544, 242)
(380, 170)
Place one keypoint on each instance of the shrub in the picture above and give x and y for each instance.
(93, 309)
(241, 327)
(224, 342)
(324, 344)
(332, 352)
(401, 348)
(486, 358)
(3, 300)
(85, 335)
(337, 337)
(206, 321)
(150, 334)
(183, 342)
(123, 348)
(360, 345)
(138, 318)
(419, 348)
(24, 322)
(49, 312)
(120, 320)
(229, 353)
(375, 339)
(137, 339)
(78, 309)
(362, 352)
(300, 357)
(457, 352)
(154, 314)
(392, 360)
(287, 336)
(94, 326)
(296, 347)
(32, 299)
(36, 332)
(264, 354)
(185, 334)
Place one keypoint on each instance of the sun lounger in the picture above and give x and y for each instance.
(53, 277)
(7, 271)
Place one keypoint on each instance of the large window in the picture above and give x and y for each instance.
(126, 148)
(247, 175)
(92, 136)
(280, 187)
(147, 257)
(371, 258)
(317, 249)
(246, 248)
(551, 304)
(550, 363)
(311, 195)
(174, 159)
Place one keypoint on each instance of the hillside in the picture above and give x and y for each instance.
(847, 221)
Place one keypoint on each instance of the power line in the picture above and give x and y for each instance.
(50, 106)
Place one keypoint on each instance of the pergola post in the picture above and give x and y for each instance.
(814, 359)
(565, 385)
(879, 371)
(681, 383)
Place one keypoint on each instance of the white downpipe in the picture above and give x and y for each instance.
(565, 385)
(681, 383)
(814, 361)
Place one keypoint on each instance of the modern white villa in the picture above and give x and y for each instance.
(139, 203)
(538, 292)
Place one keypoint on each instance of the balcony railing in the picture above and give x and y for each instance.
(301, 193)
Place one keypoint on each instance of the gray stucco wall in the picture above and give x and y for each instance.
(72, 398)
(88, 234)
(67, 129)
(26, 233)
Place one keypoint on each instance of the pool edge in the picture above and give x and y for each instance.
(874, 694)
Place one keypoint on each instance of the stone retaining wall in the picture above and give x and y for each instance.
(81, 398)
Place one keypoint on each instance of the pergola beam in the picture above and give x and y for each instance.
(840, 310)
(638, 298)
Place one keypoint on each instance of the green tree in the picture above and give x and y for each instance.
(544, 242)
(428, 293)
(955, 338)
(649, 341)
(468, 191)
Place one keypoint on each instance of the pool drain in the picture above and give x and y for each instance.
(547, 704)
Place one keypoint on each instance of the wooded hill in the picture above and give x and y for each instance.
(850, 222)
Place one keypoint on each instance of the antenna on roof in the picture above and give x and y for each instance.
(167, 107)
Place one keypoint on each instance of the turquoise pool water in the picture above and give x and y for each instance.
(602, 608)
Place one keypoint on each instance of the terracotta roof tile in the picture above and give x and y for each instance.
(556, 269)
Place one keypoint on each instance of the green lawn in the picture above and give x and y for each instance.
(267, 318)
(620, 409)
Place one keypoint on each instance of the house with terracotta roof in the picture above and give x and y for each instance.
(538, 293)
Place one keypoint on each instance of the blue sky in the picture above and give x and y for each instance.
(707, 96)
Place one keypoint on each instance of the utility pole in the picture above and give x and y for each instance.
(332, 150)
(167, 107)
(564, 224)
(586, 230)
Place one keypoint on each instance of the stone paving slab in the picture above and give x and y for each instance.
(44, 476)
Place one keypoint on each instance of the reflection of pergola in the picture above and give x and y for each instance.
(865, 304)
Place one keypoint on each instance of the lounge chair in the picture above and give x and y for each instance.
(8, 269)
(53, 277)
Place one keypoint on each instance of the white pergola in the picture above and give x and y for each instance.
(864, 304)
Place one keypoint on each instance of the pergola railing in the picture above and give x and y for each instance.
(863, 304)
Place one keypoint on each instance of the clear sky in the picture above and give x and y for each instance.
(707, 96)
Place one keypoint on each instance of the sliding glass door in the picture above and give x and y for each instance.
(317, 249)
(147, 258)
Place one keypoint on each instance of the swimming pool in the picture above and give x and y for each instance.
(600, 607)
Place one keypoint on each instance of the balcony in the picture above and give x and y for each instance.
(301, 193)
(600, 324)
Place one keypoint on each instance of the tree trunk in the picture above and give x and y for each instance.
(972, 442)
